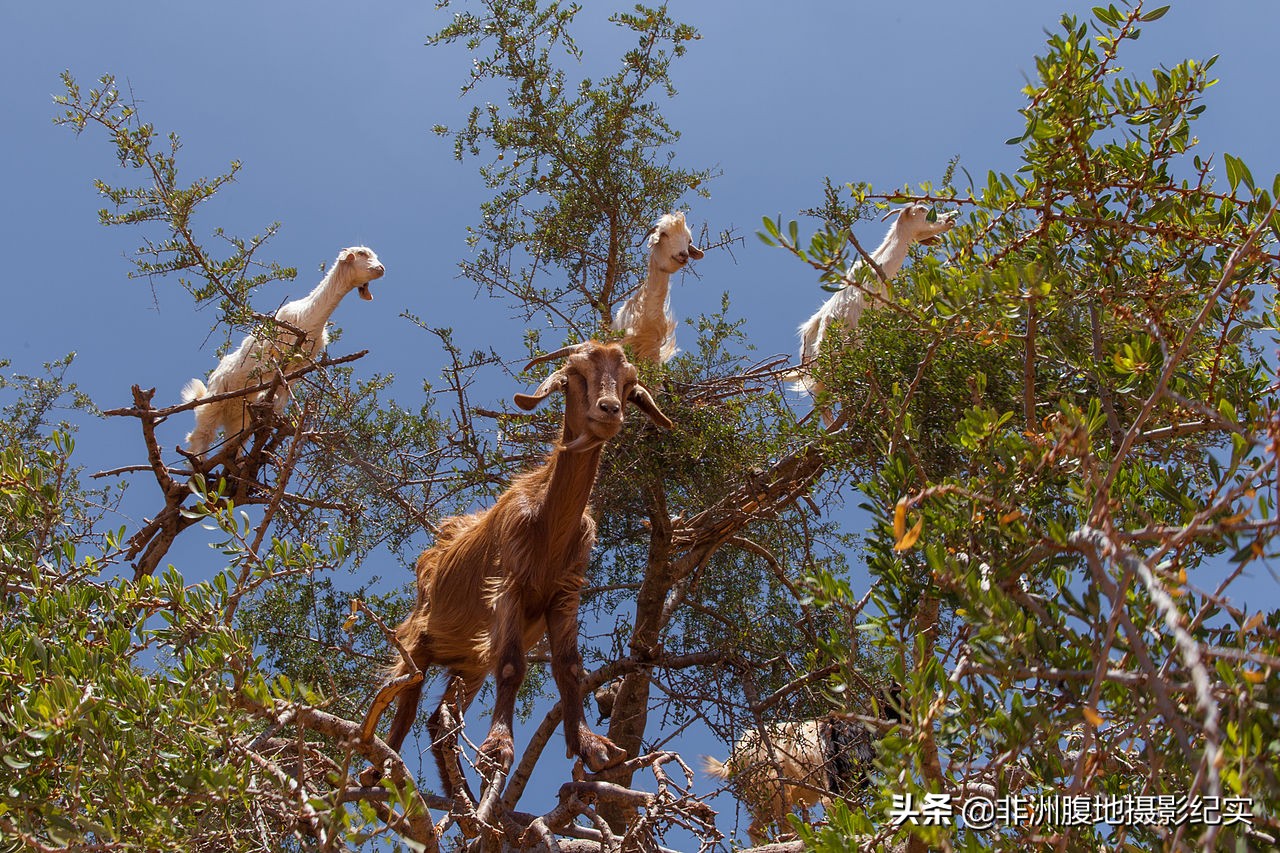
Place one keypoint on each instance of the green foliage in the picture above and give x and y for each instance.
(160, 199)
(149, 766)
(370, 466)
(578, 167)
(45, 512)
(129, 709)
(1064, 431)
(116, 728)
(25, 421)
(298, 623)
(1063, 427)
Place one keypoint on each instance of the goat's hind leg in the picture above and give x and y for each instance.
(444, 726)
(406, 690)
(404, 687)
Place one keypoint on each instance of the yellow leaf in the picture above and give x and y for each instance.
(911, 536)
(353, 616)
(1252, 676)
(1094, 718)
(1254, 621)
(900, 519)
(1011, 516)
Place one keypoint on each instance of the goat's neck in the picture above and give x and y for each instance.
(652, 296)
(573, 474)
(312, 312)
(570, 478)
(892, 252)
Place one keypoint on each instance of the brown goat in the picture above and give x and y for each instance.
(495, 581)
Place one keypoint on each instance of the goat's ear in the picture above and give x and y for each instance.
(644, 401)
(345, 255)
(552, 383)
(695, 252)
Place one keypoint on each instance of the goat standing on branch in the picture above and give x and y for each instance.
(645, 319)
(797, 764)
(913, 225)
(497, 580)
(265, 351)
(801, 762)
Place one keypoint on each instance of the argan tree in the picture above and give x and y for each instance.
(1060, 426)
(1070, 467)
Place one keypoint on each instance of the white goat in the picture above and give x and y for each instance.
(645, 319)
(812, 760)
(257, 356)
(911, 226)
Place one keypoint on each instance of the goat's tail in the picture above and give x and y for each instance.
(811, 332)
(194, 390)
(801, 380)
(716, 769)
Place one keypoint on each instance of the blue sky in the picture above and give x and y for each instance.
(330, 106)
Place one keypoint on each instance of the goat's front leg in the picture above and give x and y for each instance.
(498, 750)
(597, 751)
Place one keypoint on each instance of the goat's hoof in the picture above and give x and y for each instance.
(496, 755)
(599, 753)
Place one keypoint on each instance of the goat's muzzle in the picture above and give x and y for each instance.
(375, 273)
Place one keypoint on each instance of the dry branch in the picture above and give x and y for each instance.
(147, 547)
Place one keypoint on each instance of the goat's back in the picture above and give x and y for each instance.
(796, 751)
(454, 615)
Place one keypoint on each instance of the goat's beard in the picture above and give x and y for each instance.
(583, 443)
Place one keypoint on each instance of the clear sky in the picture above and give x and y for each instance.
(329, 106)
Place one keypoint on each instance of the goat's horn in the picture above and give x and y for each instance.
(563, 351)
(894, 212)
(554, 382)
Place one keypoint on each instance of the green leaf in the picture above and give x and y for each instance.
(1237, 172)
